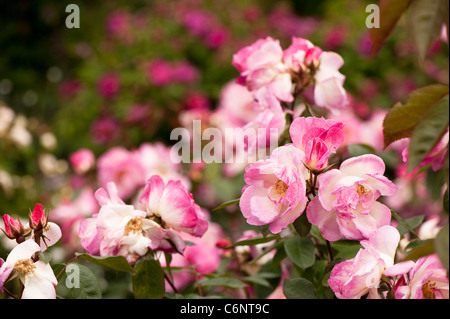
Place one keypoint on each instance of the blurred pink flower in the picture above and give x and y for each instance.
(160, 72)
(69, 88)
(82, 160)
(108, 85)
(198, 22)
(197, 101)
(68, 214)
(105, 129)
(184, 72)
(216, 38)
(122, 167)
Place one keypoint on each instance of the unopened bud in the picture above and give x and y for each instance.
(13, 227)
(38, 219)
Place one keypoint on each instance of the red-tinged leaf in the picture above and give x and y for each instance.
(390, 13)
(403, 118)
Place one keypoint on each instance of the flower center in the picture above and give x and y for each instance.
(281, 188)
(24, 266)
(134, 225)
(428, 290)
(362, 190)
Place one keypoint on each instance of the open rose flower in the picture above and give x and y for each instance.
(174, 206)
(37, 277)
(311, 65)
(353, 278)
(275, 190)
(346, 205)
(119, 229)
(318, 138)
(262, 69)
(427, 280)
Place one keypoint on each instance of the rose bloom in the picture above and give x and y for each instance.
(37, 277)
(82, 160)
(108, 85)
(346, 205)
(174, 206)
(69, 213)
(122, 167)
(275, 190)
(118, 229)
(328, 82)
(353, 278)
(262, 69)
(318, 138)
(427, 280)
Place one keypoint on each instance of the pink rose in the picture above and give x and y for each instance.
(174, 206)
(122, 167)
(82, 160)
(69, 214)
(308, 60)
(318, 138)
(427, 280)
(275, 190)
(346, 205)
(352, 279)
(119, 229)
(328, 89)
(262, 69)
(108, 85)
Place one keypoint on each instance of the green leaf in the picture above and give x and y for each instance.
(226, 204)
(390, 13)
(434, 182)
(428, 132)
(346, 249)
(426, 18)
(300, 251)
(118, 263)
(254, 241)
(88, 286)
(425, 249)
(302, 225)
(148, 280)
(405, 226)
(403, 118)
(299, 288)
(45, 256)
(441, 244)
(355, 150)
(257, 280)
(228, 282)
